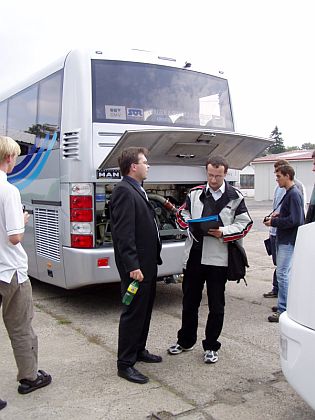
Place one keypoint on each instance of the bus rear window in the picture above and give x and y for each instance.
(137, 93)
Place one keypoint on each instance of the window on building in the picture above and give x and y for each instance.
(247, 181)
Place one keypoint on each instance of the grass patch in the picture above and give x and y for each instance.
(63, 321)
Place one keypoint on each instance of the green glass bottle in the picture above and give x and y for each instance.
(130, 293)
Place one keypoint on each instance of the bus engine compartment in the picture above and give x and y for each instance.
(165, 200)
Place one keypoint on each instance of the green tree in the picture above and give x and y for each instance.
(278, 145)
(308, 146)
(290, 148)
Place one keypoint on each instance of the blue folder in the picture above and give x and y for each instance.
(200, 227)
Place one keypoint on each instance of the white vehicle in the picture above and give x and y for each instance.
(297, 324)
(72, 119)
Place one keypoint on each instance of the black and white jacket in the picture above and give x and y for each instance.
(235, 219)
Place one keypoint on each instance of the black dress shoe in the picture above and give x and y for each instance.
(147, 357)
(270, 294)
(133, 375)
(2, 404)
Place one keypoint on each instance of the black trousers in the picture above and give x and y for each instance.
(196, 274)
(135, 322)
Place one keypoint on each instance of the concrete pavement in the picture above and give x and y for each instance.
(77, 333)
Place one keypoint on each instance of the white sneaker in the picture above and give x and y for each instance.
(210, 356)
(177, 349)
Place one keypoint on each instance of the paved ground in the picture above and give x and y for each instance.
(78, 341)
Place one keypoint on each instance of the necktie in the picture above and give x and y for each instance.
(145, 194)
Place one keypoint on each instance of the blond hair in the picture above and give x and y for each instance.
(8, 147)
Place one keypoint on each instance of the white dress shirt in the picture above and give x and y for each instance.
(13, 258)
(218, 193)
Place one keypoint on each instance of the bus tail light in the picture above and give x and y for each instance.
(81, 228)
(103, 262)
(82, 241)
(81, 215)
(80, 202)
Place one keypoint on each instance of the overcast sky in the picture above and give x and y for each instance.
(265, 48)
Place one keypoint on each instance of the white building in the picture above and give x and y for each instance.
(265, 179)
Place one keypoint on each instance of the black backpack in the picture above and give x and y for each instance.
(237, 262)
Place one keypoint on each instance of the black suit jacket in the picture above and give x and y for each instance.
(134, 231)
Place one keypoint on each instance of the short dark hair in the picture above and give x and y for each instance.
(280, 162)
(129, 156)
(286, 170)
(217, 161)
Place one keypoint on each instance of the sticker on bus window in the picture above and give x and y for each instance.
(115, 112)
(135, 114)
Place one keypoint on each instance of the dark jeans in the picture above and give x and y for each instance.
(196, 274)
(274, 260)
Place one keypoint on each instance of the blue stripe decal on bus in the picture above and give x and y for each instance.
(32, 176)
(31, 166)
(25, 161)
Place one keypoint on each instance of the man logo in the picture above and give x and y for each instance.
(108, 174)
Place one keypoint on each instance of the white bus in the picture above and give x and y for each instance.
(297, 323)
(72, 119)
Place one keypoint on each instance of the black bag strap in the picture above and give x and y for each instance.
(279, 204)
(242, 254)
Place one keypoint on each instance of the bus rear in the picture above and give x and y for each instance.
(108, 102)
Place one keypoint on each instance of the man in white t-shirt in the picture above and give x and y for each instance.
(15, 287)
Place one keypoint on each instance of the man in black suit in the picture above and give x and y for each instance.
(137, 253)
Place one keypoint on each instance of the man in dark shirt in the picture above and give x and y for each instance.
(287, 221)
(278, 194)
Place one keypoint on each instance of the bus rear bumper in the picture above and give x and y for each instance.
(82, 265)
